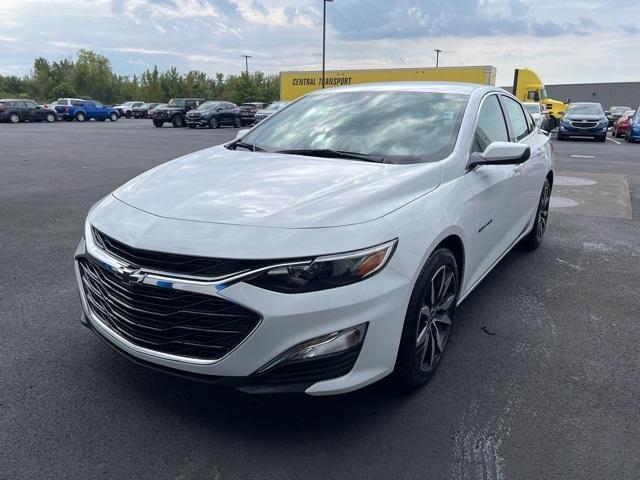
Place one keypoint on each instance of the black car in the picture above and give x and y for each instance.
(175, 111)
(584, 119)
(143, 110)
(18, 110)
(614, 113)
(214, 114)
(269, 110)
(248, 112)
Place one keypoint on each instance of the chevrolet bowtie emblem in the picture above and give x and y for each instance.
(130, 276)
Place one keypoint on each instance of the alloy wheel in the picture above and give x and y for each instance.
(434, 322)
(543, 212)
(14, 118)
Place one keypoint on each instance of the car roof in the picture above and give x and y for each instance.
(585, 103)
(16, 100)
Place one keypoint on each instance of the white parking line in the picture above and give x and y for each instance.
(583, 156)
(614, 141)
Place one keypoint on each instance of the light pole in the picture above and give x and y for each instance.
(324, 34)
(438, 51)
(246, 63)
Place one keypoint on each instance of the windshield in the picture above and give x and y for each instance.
(543, 94)
(273, 106)
(618, 110)
(402, 127)
(585, 109)
(176, 103)
(208, 105)
(532, 108)
(127, 104)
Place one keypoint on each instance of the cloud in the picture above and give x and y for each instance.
(434, 18)
(630, 28)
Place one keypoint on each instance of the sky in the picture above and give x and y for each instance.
(564, 41)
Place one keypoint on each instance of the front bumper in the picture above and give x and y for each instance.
(634, 131)
(286, 321)
(570, 131)
(199, 122)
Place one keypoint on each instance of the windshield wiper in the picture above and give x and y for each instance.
(248, 146)
(328, 153)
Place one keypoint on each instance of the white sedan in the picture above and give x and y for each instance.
(325, 249)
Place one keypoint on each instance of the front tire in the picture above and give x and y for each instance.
(50, 118)
(158, 123)
(213, 123)
(177, 121)
(237, 123)
(534, 238)
(429, 320)
(113, 117)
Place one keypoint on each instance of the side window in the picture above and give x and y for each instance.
(491, 126)
(517, 120)
(90, 104)
(31, 104)
(530, 122)
(99, 105)
(77, 103)
(531, 95)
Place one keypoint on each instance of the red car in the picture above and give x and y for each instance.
(621, 125)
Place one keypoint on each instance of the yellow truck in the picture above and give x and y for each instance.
(296, 84)
(527, 86)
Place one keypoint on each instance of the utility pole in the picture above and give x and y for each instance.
(438, 51)
(246, 63)
(324, 34)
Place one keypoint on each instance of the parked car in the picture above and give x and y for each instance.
(81, 110)
(615, 113)
(540, 115)
(153, 110)
(214, 114)
(318, 252)
(268, 110)
(143, 110)
(621, 125)
(248, 112)
(584, 119)
(633, 132)
(126, 109)
(21, 110)
(175, 111)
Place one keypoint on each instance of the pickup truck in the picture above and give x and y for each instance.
(80, 110)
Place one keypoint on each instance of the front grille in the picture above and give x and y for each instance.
(175, 263)
(309, 371)
(166, 320)
(193, 115)
(584, 124)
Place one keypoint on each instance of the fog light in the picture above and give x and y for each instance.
(330, 344)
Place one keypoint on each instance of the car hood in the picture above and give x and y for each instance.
(576, 116)
(276, 190)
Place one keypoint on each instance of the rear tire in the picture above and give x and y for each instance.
(50, 118)
(158, 123)
(14, 118)
(127, 114)
(237, 123)
(80, 117)
(429, 320)
(534, 238)
(177, 121)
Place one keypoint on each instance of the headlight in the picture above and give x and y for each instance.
(326, 272)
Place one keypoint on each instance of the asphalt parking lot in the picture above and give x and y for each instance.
(541, 380)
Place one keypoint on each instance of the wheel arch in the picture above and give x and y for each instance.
(550, 178)
(455, 244)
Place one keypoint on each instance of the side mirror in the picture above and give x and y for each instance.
(241, 133)
(501, 153)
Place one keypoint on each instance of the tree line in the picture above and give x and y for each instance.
(90, 76)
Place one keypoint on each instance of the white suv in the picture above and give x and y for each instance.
(125, 109)
(327, 248)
